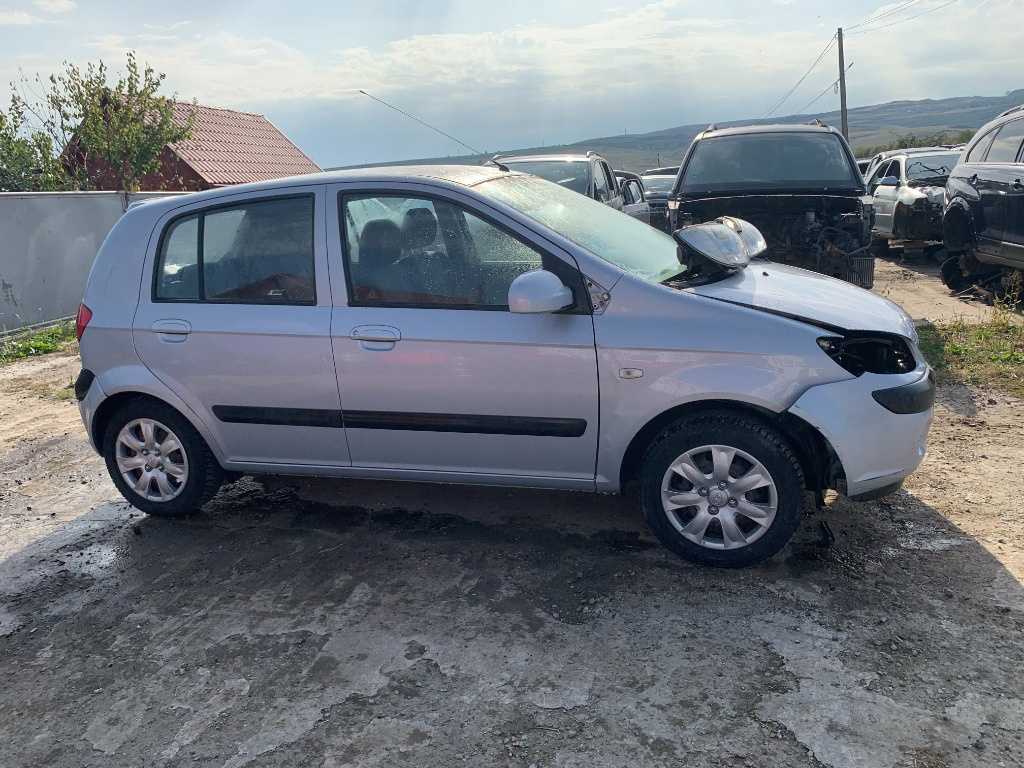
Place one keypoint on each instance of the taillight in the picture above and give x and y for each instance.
(82, 320)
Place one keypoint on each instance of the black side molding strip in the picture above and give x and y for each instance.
(286, 417)
(534, 426)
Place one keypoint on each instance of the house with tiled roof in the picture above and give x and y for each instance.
(225, 147)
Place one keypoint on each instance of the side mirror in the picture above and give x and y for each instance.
(538, 292)
(889, 181)
(727, 242)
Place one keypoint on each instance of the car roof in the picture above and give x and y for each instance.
(714, 131)
(560, 157)
(955, 149)
(452, 175)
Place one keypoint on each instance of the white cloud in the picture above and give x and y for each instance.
(55, 6)
(17, 18)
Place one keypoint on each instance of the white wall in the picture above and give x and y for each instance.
(48, 241)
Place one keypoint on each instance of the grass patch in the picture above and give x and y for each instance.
(55, 339)
(988, 355)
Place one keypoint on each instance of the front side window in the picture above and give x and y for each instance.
(257, 252)
(1006, 145)
(423, 252)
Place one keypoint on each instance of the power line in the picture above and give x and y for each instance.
(894, 23)
(833, 87)
(474, 151)
(789, 93)
(890, 12)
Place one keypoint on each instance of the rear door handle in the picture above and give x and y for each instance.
(172, 330)
(1016, 183)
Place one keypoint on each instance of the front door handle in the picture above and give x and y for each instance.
(973, 180)
(1016, 183)
(376, 338)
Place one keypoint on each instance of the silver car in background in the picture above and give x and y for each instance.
(477, 325)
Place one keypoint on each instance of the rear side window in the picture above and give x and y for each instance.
(257, 252)
(1006, 145)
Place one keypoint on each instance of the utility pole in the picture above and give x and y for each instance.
(842, 86)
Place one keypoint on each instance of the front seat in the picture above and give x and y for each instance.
(377, 275)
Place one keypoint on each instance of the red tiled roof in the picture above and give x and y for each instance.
(229, 147)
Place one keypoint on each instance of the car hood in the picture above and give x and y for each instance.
(811, 297)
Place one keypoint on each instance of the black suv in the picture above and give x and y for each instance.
(798, 184)
(983, 222)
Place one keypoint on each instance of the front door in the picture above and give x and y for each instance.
(435, 373)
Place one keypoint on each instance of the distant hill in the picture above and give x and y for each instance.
(869, 126)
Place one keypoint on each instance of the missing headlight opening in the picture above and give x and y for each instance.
(875, 353)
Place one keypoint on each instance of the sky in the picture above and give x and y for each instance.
(505, 75)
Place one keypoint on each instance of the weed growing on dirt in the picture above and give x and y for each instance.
(51, 340)
(989, 355)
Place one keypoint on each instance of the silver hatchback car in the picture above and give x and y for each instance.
(479, 325)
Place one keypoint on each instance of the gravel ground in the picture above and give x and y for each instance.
(383, 624)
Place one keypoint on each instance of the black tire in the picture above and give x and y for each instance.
(714, 530)
(158, 461)
(952, 275)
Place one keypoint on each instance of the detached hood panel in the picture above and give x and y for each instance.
(810, 296)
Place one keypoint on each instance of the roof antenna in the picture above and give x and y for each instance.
(474, 151)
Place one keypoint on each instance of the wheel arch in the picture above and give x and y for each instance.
(818, 460)
(115, 401)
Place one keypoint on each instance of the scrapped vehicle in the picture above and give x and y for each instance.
(589, 173)
(908, 189)
(798, 184)
(671, 170)
(983, 222)
(634, 203)
(461, 324)
(656, 191)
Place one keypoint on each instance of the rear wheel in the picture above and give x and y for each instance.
(158, 461)
(723, 490)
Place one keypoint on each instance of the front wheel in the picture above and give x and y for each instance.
(158, 461)
(723, 490)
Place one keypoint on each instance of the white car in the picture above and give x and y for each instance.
(477, 325)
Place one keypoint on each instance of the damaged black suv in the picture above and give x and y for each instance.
(798, 184)
(983, 222)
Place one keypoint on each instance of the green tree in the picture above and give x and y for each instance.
(27, 159)
(908, 140)
(107, 136)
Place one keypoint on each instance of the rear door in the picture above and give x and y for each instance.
(235, 319)
(436, 375)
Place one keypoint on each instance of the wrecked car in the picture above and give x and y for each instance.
(983, 222)
(459, 324)
(908, 189)
(798, 184)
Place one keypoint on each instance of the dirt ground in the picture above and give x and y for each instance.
(383, 624)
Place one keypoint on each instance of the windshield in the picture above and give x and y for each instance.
(569, 173)
(629, 244)
(923, 167)
(770, 160)
(658, 183)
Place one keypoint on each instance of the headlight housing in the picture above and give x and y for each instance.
(869, 353)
